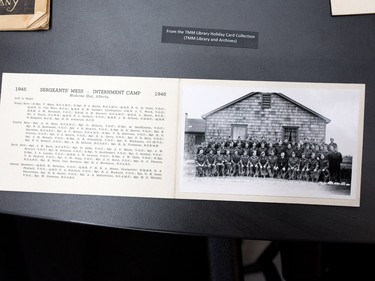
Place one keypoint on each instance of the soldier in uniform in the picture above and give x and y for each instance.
(293, 165)
(231, 148)
(254, 159)
(263, 164)
(312, 168)
(335, 159)
(236, 164)
(219, 163)
(323, 171)
(279, 148)
(229, 140)
(210, 163)
(288, 151)
(228, 163)
(254, 148)
(245, 163)
(200, 161)
(332, 144)
(298, 150)
(302, 167)
(325, 151)
(202, 146)
(283, 165)
(238, 143)
(262, 148)
(246, 148)
(307, 151)
(270, 149)
(272, 165)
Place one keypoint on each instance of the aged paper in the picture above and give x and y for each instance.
(352, 7)
(256, 117)
(181, 138)
(88, 135)
(24, 14)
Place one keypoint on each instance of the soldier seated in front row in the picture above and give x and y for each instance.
(228, 163)
(245, 163)
(263, 163)
(302, 167)
(219, 163)
(210, 163)
(200, 161)
(236, 164)
(272, 165)
(254, 160)
(312, 168)
(293, 164)
(283, 166)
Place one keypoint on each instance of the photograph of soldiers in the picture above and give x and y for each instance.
(304, 160)
(291, 142)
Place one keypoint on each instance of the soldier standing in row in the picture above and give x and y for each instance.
(335, 159)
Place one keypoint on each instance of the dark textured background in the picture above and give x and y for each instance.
(298, 41)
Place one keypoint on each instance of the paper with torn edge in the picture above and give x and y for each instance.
(352, 7)
(24, 15)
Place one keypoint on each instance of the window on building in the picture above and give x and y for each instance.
(266, 100)
(239, 130)
(291, 133)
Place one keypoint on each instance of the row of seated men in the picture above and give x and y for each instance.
(301, 161)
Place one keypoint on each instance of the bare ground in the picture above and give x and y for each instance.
(259, 186)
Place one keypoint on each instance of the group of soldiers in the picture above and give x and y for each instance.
(309, 160)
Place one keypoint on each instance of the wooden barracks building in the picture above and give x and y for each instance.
(272, 115)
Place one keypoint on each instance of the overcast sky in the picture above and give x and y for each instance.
(340, 105)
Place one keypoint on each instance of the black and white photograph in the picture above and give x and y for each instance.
(276, 142)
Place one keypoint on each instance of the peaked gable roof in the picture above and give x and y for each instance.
(204, 116)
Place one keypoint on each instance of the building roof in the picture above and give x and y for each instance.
(194, 125)
(204, 116)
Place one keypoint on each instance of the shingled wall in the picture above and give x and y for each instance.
(265, 122)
